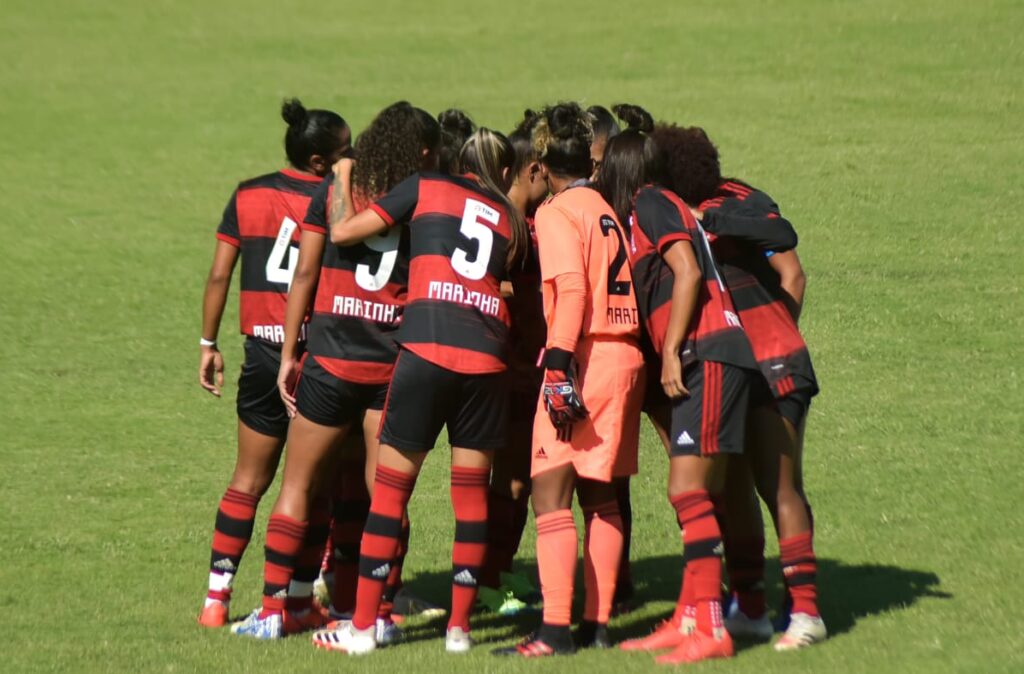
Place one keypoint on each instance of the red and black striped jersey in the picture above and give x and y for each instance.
(455, 316)
(661, 219)
(745, 226)
(529, 329)
(359, 299)
(262, 221)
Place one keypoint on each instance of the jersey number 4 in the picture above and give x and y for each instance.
(615, 286)
(276, 271)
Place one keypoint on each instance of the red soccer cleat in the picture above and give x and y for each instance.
(666, 635)
(214, 615)
(303, 622)
(696, 647)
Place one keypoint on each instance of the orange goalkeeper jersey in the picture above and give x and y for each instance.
(577, 232)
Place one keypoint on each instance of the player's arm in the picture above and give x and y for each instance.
(792, 280)
(215, 296)
(395, 206)
(300, 300)
(686, 282)
(769, 232)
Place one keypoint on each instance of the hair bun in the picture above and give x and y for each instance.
(635, 117)
(566, 120)
(293, 112)
(456, 122)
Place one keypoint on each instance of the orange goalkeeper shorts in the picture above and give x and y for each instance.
(604, 445)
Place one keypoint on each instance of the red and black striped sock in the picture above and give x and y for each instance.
(702, 556)
(284, 542)
(394, 583)
(469, 501)
(800, 569)
(232, 531)
(307, 564)
(351, 505)
(391, 492)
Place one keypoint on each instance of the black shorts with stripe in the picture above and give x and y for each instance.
(329, 401)
(792, 407)
(713, 418)
(259, 403)
(425, 397)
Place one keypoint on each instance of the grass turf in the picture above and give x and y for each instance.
(885, 129)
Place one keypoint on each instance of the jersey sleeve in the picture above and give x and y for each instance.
(660, 220)
(755, 219)
(316, 214)
(227, 230)
(559, 244)
(399, 204)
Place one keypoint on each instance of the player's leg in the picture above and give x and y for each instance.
(708, 425)
(350, 506)
(624, 589)
(262, 427)
(603, 543)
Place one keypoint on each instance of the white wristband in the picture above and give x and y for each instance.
(207, 342)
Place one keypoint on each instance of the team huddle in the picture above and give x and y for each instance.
(535, 295)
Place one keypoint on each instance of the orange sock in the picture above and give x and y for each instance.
(602, 552)
(557, 545)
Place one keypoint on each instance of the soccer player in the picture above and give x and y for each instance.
(465, 235)
(356, 294)
(605, 127)
(706, 366)
(587, 424)
(260, 224)
(456, 128)
(508, 507)
(767, 284)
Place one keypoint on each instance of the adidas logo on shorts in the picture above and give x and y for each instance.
(684, 439)
(381, 571)
(464, 577)
(541, 454)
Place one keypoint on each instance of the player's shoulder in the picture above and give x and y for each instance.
(284, 180)
(738, 196)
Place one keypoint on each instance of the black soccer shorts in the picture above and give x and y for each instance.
(792, 407)
(259, 404)
(329, 401)
(425, 397)
(713, 418)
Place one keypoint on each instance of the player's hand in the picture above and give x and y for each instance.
(672, 376)
(211, 369)
(287, 377)
(561, 391)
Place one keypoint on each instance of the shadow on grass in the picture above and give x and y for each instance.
(847, 593)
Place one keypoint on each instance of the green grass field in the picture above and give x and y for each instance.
(884, 128)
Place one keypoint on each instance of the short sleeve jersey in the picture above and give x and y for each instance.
(455, 316)
(577, 232)
(779, 348)
(359, 299)
(262, 221)
(660, 220)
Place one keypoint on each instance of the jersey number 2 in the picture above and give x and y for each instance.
(276, 272)
(615, 286)
(475, 230)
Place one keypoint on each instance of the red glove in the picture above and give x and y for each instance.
(562, 398)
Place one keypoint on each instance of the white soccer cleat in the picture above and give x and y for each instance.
(347, 639)
(387, 632)
(457, 640)
(740, 626)
(803, 631)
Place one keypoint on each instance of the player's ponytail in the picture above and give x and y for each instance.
(631, 160)
(456, 128)
(562, 138)
(635, 117)
(310, 132)
(489, 156)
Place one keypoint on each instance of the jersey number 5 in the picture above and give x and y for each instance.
(615, 286)
(276, 272)
(474, 229)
